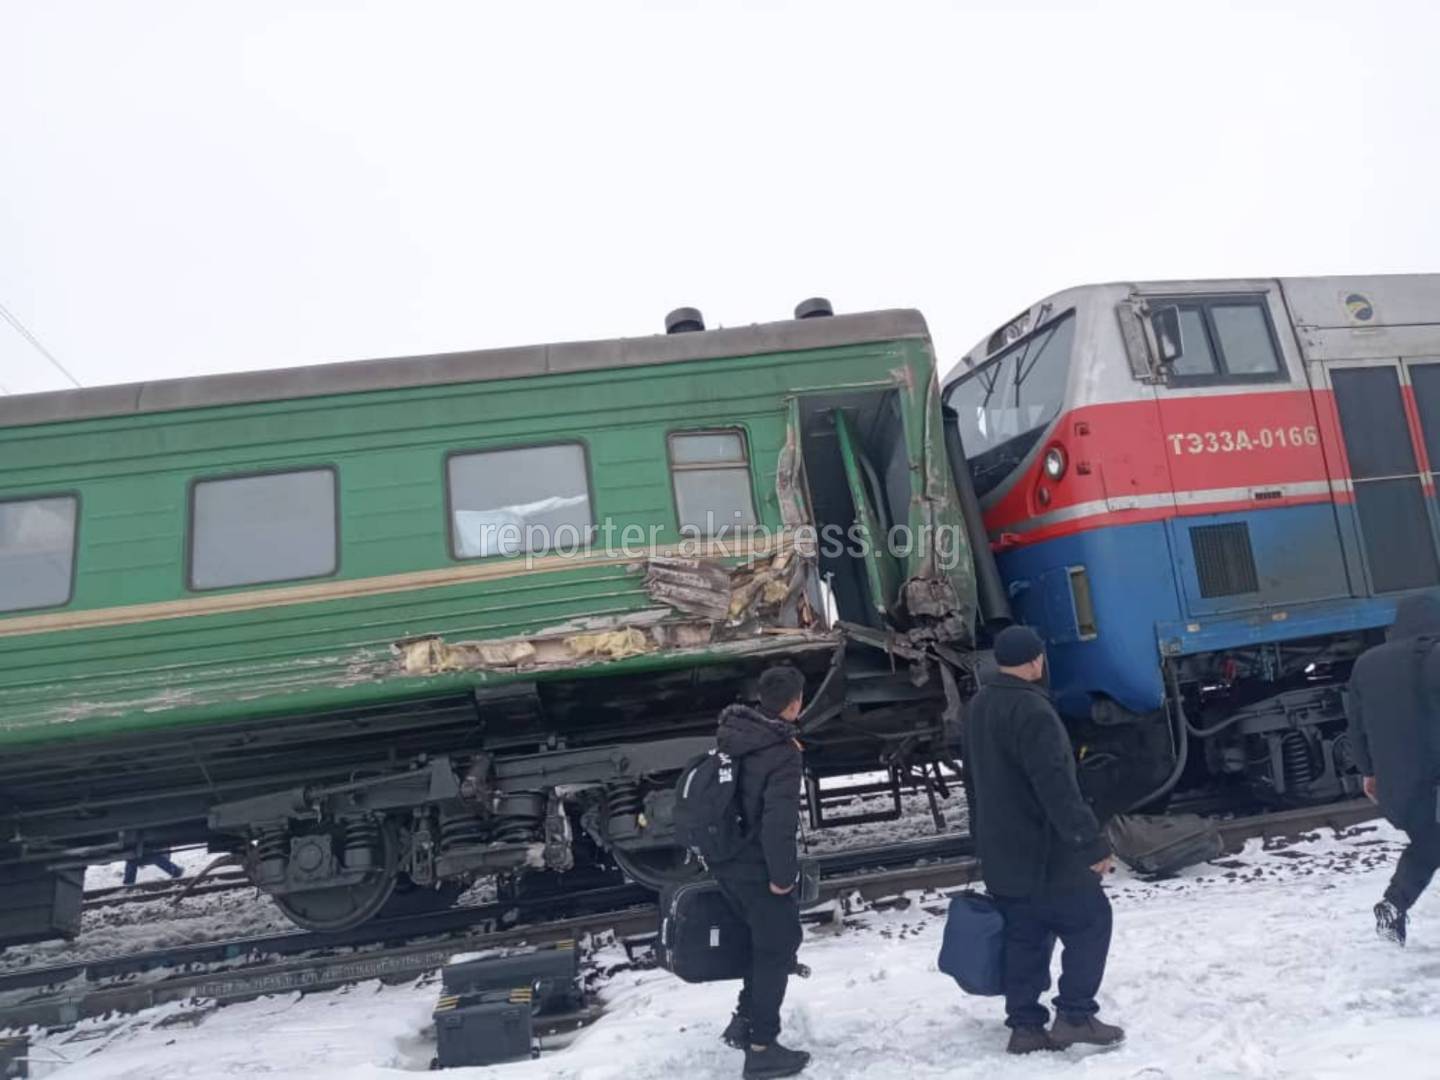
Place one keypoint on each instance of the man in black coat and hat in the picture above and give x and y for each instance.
(1394, 709)
(1042, 853)
(760, 881)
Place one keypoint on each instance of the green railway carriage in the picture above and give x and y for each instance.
(398, 623)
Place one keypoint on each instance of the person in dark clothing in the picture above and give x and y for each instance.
(1394, 710)
(760, 881)
(1041, 850)
(159, 859)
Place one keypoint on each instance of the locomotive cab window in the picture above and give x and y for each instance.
(37, 552)
(510, 502)
(251, 530)
(1224, 339)
(710, 471)
(1008, 402)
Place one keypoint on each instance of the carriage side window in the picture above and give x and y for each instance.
(249, 530)
(526, 499)
(1225, 339)
(710, 471)
(37, 552)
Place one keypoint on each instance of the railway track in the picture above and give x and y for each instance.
(174, 890)
(222, 972)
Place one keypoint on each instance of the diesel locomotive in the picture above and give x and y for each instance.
(374, 630)
(1207, 495)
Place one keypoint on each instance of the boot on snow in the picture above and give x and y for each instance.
(773, 1061)
(1390, 922)
(1027, 1040)
(1084, 1030)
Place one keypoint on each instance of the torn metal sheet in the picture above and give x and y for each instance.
(789, 473)
(755, 591)
(706, 603)
(696, 586)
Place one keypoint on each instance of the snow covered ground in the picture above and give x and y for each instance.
(1264, 965)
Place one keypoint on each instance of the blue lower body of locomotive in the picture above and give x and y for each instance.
(1149, 600)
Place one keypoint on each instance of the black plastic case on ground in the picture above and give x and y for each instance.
(1159, 846)
(552, 972)
(701, 938)
(483, 1029)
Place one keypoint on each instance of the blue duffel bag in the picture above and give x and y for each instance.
(973, 950)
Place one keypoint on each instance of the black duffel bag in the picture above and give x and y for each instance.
(701, 937)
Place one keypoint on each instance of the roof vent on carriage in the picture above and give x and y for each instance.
(817, 307)
(684, 320)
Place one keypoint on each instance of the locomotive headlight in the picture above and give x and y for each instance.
(1055, 463)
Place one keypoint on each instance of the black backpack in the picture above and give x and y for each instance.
(707, 814)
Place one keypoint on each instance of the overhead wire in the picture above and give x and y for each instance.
(20, 329)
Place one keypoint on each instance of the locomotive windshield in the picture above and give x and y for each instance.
(1006, 403)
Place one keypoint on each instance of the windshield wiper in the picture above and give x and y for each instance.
(991, 383)
(1021, 371)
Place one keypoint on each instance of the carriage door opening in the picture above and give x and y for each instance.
(1392, 492)
(854, 449)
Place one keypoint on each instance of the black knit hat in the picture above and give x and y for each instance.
(1016, 646)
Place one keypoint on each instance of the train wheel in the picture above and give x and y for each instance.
(344, 907)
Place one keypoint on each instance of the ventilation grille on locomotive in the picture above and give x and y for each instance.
(1224, 560)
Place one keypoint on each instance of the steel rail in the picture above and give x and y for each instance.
(246, 968)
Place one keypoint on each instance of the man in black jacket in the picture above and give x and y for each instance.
(1394, 708)
(760, 881)
(1042, 853)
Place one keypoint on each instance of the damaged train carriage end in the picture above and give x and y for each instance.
(368, 704)
(889, 652)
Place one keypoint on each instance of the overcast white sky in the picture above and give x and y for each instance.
(199, 186)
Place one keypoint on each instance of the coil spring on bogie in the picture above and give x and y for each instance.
(1297, 760)
(461, 831)
(519, 817)
(271, 853)
(514, 830)
(623, 798)
(272, 844)
(362, 835)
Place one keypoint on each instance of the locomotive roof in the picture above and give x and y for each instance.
(363, 376)
(1317, 301)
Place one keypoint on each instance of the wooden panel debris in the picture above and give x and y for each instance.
(705, 603)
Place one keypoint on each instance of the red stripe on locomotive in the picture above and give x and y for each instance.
(1198, 449)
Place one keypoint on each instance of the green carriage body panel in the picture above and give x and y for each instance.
(135, 649)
